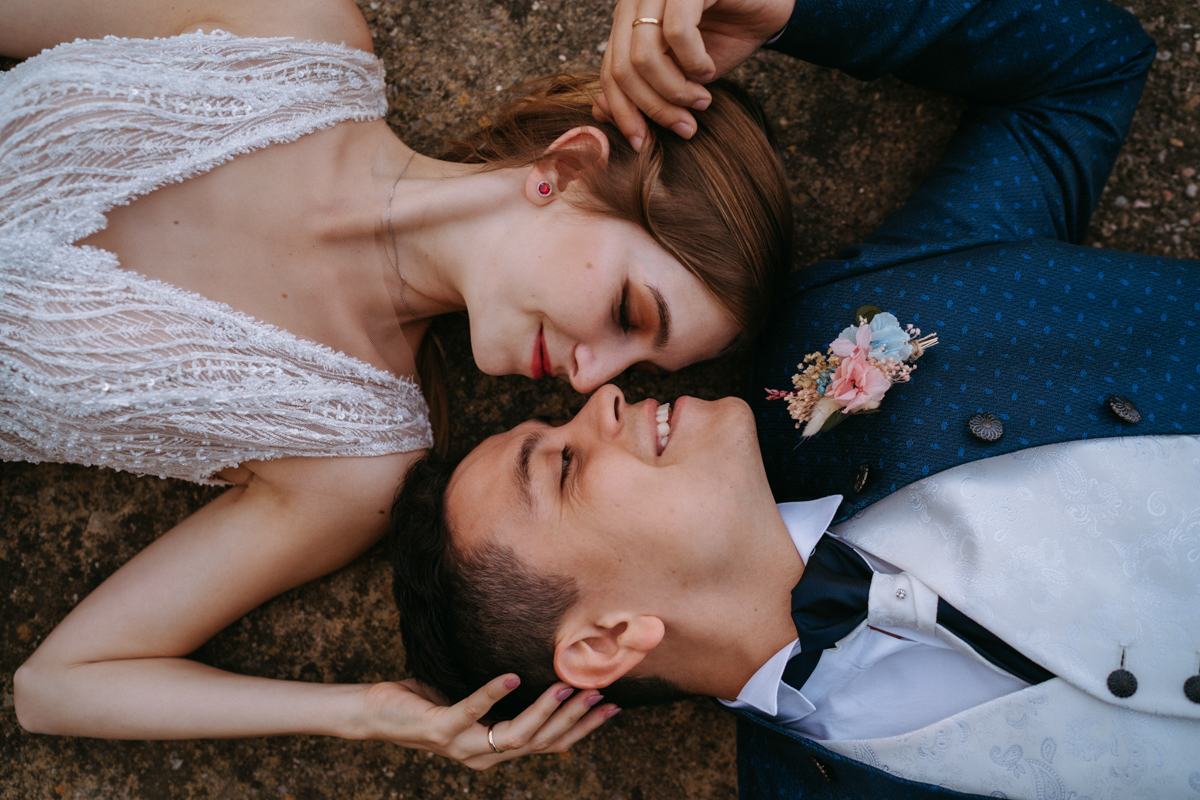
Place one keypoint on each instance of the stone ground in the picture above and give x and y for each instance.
(854, 151)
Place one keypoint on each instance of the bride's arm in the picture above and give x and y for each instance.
(115, 667)
(30, 26)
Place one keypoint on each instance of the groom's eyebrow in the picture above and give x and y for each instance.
(521, 469)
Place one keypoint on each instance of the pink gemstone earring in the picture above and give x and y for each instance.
(544, 188)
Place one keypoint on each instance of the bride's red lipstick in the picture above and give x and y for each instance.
(540, 366)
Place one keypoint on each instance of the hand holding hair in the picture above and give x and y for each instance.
(659, 69)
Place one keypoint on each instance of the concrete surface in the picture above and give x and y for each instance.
(854, 151)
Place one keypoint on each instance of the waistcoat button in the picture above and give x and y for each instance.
(985, 427)
(1122, 683)
(1191, 688)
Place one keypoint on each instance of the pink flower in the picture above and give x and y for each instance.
(862, 343)
(856, 385)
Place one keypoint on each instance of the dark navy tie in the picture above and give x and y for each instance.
(831, 601)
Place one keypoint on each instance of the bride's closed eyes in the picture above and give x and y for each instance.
(645, 307)
(622, 312)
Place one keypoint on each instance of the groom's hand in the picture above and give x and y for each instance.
(661, 69)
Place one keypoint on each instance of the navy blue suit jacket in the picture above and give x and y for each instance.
(1034, 328)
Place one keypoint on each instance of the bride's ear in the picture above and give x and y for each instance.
(579, 149)
(594, 655)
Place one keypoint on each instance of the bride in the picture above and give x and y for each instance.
(219, 264)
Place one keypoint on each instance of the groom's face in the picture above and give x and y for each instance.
(601, 500)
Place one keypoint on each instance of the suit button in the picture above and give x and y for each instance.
(1123, 408)
(1191, 688)
(1122, 683)
(985, 427)
(860, 477)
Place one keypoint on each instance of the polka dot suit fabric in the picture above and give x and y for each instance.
(1038, 333)
(1034, 329)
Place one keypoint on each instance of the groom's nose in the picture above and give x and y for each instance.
(605, 410)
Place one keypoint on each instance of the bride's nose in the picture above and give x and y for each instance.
(594, 366)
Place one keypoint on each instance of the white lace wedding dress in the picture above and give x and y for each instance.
(100, 365)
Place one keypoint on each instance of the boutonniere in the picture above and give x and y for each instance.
(854, 374)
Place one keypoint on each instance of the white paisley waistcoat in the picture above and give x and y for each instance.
(1088, 559)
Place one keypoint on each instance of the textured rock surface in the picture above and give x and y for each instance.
(854, 151)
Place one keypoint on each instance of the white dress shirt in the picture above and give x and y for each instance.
(874, 682)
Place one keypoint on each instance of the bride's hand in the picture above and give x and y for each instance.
(661, 69)
(411, 714)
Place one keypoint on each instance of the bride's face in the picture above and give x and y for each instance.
(583, 297)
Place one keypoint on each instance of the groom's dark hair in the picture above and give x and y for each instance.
(467, 618)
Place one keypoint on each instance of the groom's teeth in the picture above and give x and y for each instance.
(664, 427)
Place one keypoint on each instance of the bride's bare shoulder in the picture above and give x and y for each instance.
(34, 25)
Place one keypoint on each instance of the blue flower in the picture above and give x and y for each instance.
(889, 342)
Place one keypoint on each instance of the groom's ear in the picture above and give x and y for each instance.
(576, 151)
(592, 655)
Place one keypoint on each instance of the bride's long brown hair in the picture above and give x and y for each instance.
(717, 202)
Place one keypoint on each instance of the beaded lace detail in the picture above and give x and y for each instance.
(100, 365)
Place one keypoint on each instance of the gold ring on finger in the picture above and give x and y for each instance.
(491, 741)
(646, 21)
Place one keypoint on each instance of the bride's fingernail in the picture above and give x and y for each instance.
(701, 104)
(612, 712)
(563, 693)
(682, 129)
(591, 701)
(636, 142)
(512, 683)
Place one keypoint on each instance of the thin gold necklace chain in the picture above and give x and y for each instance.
(396, 264)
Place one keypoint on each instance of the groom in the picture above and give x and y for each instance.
(995, 628)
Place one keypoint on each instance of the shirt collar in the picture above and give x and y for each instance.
(807, 521)
(766, 693)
